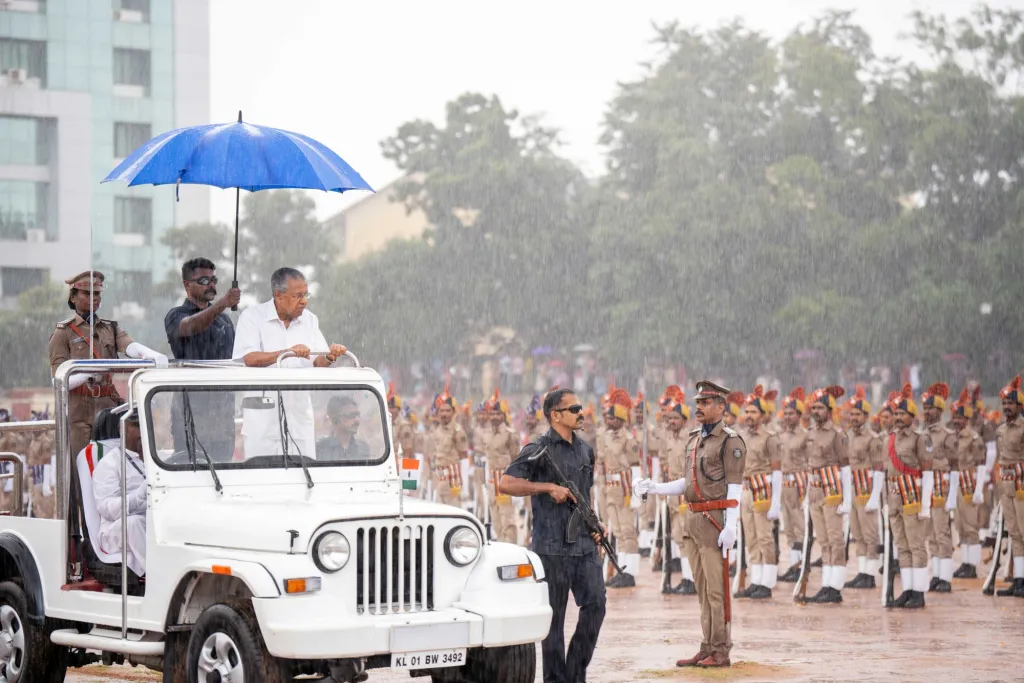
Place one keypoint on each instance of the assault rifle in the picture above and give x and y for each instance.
(581, 511)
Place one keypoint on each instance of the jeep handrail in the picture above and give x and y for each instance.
(288, 353)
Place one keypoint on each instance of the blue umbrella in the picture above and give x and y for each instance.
(239, 155)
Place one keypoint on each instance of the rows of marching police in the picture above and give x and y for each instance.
(918, 492)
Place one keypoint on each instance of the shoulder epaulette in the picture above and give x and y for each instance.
(730, 431)
(64, 323)
(694, 432)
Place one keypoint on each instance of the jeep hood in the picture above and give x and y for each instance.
(246, 523)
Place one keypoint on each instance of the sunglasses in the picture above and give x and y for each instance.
(575, 410)
(204, 280)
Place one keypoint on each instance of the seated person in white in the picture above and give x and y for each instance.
(106, 488)
(263, 333)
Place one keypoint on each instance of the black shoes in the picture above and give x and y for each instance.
(942, 587)
(827, 595)
(901, 601)
(966, 571)
(916, 600)
(861, 581)
(792, 575)
(760, 593)
(685, 587)
(1014, 590)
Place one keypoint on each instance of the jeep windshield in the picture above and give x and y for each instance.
(252, 427)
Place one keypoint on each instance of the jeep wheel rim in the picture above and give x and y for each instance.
(12, 645)
(219, 661)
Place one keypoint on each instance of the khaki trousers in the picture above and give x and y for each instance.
(709, 576)
(864, 530)
(620, 520)
(757, 533)
(503, 521)
(909, 535)
(793, 517)
(1013, 514)
(968, 521)
(828, 529)
(940, 538)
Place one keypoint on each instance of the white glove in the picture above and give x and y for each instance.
(670, 488)
(990, 455)
(776, 506)
(137, 501)
(979, 491)
(954, 486)
(727, 537)
(846, 477)
(635, 502)
(79, 379)
(140, 352)
(877, 483)
(927, 486)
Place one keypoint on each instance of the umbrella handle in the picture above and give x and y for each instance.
(234, 285)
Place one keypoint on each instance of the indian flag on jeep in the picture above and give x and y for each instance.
(409, 470)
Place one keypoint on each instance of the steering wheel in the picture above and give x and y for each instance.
(179, 458)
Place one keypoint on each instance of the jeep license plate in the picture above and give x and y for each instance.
(433, 659)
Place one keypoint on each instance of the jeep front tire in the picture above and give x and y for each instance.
(225, 645)
(512, 664)
(26, 653)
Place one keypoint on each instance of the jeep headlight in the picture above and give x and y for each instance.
(331, 551)
(461, 546)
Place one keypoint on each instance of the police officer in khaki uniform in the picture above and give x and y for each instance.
(712, 487)
(793, 447)
(499, 446)
(868, 470)
(619, 453)
(91, 393)
(1010, 484)
(970, 458)
(944, 465)
(449, 446)
(910, 483)
(674, 439)
(647, 510)
(830, 495)
(762, 497)
(402, 432)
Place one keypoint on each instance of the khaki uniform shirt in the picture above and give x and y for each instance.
(944, 447)
(403, 435)
(793, 445)
(826, 446)
(619, 450)
(500, 447)
(762, 451)
(864, 448)
(40, 449)
(1010, 443)
(912, 448)
(448, 444)
(721, 457)
(970, 449)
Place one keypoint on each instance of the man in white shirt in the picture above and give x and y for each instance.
(263, 333)
(106, 488)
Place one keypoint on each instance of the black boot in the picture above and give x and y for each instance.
(792, 575)
(861, 581)
(902, 601)
(685, 587)
(943, 587)
(1018, 590)
(645, 552)
(745, 592)
(816, 563)
(821, 596)
(623, 580)
(834, 597)
(934, 582)
(760, 593)
(1008, 591)
(916, 600)
(966, 571)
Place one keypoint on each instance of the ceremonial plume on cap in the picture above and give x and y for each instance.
(905, 400)
(964, 406)
(394, 400)
(445, 398)
(679, 408)
(1012, 391)
(795, 400)
(976, 397)
(828, 396)
(735, 400)
(769, 400)
(619, 404)
(672, 393)
(756, 399)
(936, 395)
(860, 401)
(495, 401)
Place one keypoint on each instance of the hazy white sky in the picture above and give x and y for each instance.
(349, 73)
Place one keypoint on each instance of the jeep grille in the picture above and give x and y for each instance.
(395, 569)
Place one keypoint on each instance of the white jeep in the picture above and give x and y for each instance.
(271, 553)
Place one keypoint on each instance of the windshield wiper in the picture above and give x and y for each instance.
(191, 441)
(286, 436)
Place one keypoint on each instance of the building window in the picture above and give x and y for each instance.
(24, 211)
(131, 72)
(134, 216)
(135, 285)
(23, 62)
(30, 6)
(24, 141)
(14, 281)
(134, 11)
(128, 137)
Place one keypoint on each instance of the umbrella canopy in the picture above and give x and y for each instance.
(240, 155)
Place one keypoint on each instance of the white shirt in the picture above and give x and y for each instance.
(106, 489)
(260, 328)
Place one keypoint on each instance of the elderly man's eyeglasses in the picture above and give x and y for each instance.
(574, 409)
(347, 417)
(204, 280)
(301, 296)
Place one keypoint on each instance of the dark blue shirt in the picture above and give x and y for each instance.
(576, 461)
(214, 343)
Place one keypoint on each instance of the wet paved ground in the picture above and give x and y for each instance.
(963, 636)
